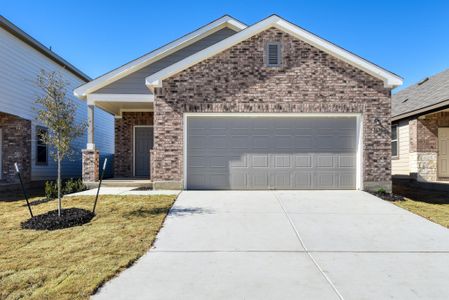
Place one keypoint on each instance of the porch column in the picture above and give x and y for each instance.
(90, 127)
(91, 156)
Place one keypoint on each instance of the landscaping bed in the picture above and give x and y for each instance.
(52, 220)
(73, 263)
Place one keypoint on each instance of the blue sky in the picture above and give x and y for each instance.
(409, 38)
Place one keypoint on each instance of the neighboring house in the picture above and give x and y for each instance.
(420, 130)
(230, 106)
(21, 60)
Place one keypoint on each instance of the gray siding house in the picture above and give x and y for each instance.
(21, 59)
(231, 106)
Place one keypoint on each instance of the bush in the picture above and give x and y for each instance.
(68, 186)
(51, 189)
(381, 191)
(73, 186)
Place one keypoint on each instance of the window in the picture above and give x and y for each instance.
(394, 140)
(41, 147)
(273, 54)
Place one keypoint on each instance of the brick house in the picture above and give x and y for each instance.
(420, 132)
(21, 60)
(231, 106)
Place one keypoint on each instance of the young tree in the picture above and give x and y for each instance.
(57, 113)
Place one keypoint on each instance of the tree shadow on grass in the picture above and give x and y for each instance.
(421, 195)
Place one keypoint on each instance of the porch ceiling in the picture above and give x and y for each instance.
(116, 108)
(117, 103)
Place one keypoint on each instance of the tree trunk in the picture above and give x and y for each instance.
(59, 185)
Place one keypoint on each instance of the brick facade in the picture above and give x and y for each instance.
(236, 80)
(424, 145)
(16, 147)
(123, 157)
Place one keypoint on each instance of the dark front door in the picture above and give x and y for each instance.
(143, 142)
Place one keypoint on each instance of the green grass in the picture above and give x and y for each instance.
(432, 205)
(72, 263)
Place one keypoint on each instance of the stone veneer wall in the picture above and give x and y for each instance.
(424, 145)
(91, 165)
(309, 80)
(16, 147)
(123, 157)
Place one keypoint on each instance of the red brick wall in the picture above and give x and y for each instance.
(236, 80)
(123, 157)
(16, 147)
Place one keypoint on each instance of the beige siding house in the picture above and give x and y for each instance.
(420, 131)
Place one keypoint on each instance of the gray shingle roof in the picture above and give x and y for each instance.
(421, 95)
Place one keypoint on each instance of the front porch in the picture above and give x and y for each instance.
(429, 148)
(133, 140)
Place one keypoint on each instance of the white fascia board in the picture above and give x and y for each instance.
(390, 79)
(92, 98)
(82, 91)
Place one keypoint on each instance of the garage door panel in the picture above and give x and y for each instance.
(324, 161)
(261, 142)
(282, 161)
(303, 161)
(302, 180)
(259, 180)
(260, 161)
(271, 153)
(303, 142)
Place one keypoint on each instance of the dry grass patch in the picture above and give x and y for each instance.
(72, 263)
(432, 205)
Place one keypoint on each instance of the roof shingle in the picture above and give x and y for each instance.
(422, 94)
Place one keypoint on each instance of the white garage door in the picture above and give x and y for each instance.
(271, 152)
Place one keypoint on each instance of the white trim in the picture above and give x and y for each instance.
(390, 79)
(225, 21)
(92, 98)
(359, 133)
(134, 146)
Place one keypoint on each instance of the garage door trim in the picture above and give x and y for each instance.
(359, 133)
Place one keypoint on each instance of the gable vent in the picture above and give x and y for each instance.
(273, 54)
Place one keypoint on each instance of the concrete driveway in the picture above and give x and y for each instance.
(289, 245)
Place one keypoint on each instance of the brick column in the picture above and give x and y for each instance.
(91, 161)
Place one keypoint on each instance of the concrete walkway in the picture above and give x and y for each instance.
(289, 245)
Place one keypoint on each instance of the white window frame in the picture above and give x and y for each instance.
(266, 56)
(395, 140)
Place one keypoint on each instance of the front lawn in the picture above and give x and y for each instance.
(72, 263)
(432, 205)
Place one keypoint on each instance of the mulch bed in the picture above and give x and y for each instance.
(388, 196)
(51, 221)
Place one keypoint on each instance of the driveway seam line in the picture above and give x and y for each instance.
(306, 250)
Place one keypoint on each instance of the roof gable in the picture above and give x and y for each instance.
(147, 59)
(389, 79)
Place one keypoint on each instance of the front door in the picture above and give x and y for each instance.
(143, 142)
(443, 152)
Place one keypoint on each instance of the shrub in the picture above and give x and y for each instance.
(51, 189)
(73, 186)
(381, 191)
(68, 186)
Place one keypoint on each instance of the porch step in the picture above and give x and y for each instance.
(124, 182)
